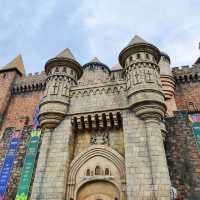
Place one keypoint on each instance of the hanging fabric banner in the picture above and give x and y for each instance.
(8, 164)
(28, 167)
(195, 119)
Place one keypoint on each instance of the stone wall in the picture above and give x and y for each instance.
(183, 157)
(83, 141)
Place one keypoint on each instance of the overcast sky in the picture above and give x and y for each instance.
(39, 29)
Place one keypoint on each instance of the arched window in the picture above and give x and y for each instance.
(97, 170)
(88, 172)
(130, 58)
(107, 172)
(56, 70)
(138, 56)
(147, 56)
(4, 75)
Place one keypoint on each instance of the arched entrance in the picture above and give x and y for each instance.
(98, 190)
(100, 169)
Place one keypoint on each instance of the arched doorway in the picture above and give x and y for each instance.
(98, 190)
(96, 166)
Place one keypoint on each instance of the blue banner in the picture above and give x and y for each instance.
(8, 164)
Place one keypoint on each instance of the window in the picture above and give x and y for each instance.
(147, 56)
(138, 56)
(107, 172)
(88, 172)
(97, 170)
(56, 70)
(4, 75)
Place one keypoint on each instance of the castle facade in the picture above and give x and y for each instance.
(91, 132)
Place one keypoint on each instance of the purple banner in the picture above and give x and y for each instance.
(8, 164)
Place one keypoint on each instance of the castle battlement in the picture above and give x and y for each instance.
(186, 74)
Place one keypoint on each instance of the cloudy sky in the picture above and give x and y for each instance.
(39, 30)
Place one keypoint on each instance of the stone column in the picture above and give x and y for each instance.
(138, 171)
(158, 164)
(53, 163)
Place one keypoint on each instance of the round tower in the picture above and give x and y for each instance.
(140, 60)
(168, 83)
(63, 71)
(95, 72)
(146, 99)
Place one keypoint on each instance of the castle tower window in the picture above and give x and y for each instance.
(88, 172)
(64, 69)
(4, 75)
(107, 172)
(130, 59)
(56, 70)
(138, 56)
(97, 170)
(147, 56)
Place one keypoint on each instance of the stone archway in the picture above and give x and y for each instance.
(97, 165)
(98, 190)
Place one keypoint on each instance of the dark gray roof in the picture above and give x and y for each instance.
(66, 53)
(137, 40)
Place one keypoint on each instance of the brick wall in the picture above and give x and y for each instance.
(21, 110)
(183, 157)
(187, 92)
(6, 81)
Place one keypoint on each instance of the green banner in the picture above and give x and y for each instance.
(28, 167)
(196, 133)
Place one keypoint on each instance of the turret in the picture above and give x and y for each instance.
(168, 83)
(95, 72)
(63, 71)
(140, 60)
(146, 99)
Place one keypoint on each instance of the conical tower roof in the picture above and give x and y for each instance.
(63, 58)
(138, 44)
(137, 40)
(16, 63)
(197, 61)
(95, 60)
(66, 53)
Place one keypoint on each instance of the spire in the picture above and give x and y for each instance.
(16, 63)
(137, 40)
(66, 53)
(95, 60)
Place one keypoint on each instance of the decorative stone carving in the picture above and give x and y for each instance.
(99, 137)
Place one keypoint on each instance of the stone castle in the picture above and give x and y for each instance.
(120, 133)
